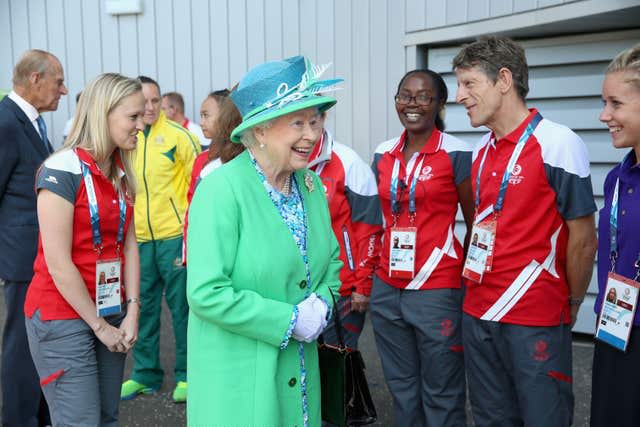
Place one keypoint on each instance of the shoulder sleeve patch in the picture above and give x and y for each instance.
(61, 175)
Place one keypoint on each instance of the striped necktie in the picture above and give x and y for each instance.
(43, 131)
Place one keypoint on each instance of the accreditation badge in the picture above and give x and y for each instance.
(618, 308)
(402, 252)
(480, 252)
(108, 283)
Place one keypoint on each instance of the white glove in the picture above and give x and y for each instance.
(309, 324)
(321, 307)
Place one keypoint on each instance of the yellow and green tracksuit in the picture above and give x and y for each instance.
(163, 161)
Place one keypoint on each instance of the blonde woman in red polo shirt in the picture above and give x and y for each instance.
(416, 301)
(85, 206)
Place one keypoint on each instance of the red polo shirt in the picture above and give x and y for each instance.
(446, 163)
(550, 184)
(61, 174)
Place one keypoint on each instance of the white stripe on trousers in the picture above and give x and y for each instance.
(523, 282)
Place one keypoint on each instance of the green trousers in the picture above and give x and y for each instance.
(161, 270)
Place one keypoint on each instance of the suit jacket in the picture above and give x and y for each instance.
(21, 154)
(244, 276)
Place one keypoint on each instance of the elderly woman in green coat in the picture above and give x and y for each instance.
(262, 260)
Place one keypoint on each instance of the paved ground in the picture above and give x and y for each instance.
(159, 410)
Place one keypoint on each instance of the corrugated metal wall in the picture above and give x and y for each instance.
(430, 14)
(194, 46)
(565, 80)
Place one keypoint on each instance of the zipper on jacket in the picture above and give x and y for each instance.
(347, 247)
(146, 187)
(173, 205)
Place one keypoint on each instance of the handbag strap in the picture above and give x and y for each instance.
(337, 323)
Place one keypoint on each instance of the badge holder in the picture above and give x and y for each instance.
(402, 251)
(481, 247)
(618, 309)
(108, 284)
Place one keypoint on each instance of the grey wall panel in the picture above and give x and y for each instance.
(500, 7)
(478, 9)
(436, 11)
(273, 30)
(147, 47)
(128, 47)
(220, 34)
(256, 50)
(74, 47)
(360, 82)
(200, 45)
(20, 32)
(343, 57)
(290, 28)
(201, 37)
(379, 94)
(524, 5)
(90, 25)
(7, 54)
(37, 23)
(56, 34)
(308, 29)
(547, 3)
(165, 45)
(326, 40)
(110, 41)
(184, 52)
(456, 11)
(415, 18)
(395, 70)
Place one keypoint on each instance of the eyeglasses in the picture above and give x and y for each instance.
(422, 100)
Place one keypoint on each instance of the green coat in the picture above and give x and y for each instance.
(245, 274)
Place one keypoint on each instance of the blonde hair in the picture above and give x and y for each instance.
(32, 61)
(627, 61)
(90, 130)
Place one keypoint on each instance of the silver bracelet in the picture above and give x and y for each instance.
(132, 300)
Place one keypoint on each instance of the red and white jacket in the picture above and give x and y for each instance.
(355, 211)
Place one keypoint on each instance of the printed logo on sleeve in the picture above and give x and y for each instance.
(52, 179)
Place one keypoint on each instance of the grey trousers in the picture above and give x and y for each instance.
(420, 345)
(79, 376)
(518, 375)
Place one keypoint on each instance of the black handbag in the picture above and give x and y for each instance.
(346, 400)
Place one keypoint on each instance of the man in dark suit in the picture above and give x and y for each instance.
(38, 84)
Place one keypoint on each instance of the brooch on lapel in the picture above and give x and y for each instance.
(308, 181)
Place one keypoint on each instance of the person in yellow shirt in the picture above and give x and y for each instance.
(163, 162)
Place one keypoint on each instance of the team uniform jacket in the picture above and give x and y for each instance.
(354, 206)
(446, 163)
(163, 162)
(550, 184)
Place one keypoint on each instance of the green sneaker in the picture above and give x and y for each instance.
(131, 389)
(180, 392)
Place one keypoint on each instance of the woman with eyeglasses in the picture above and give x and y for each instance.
(416, 300)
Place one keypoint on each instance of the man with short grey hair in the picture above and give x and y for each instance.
(38, 84)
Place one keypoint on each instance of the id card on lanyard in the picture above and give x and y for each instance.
(483, 234)
(108, 271)
(402, 246)
(621, 293)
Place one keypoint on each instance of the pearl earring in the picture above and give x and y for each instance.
(261, 146)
